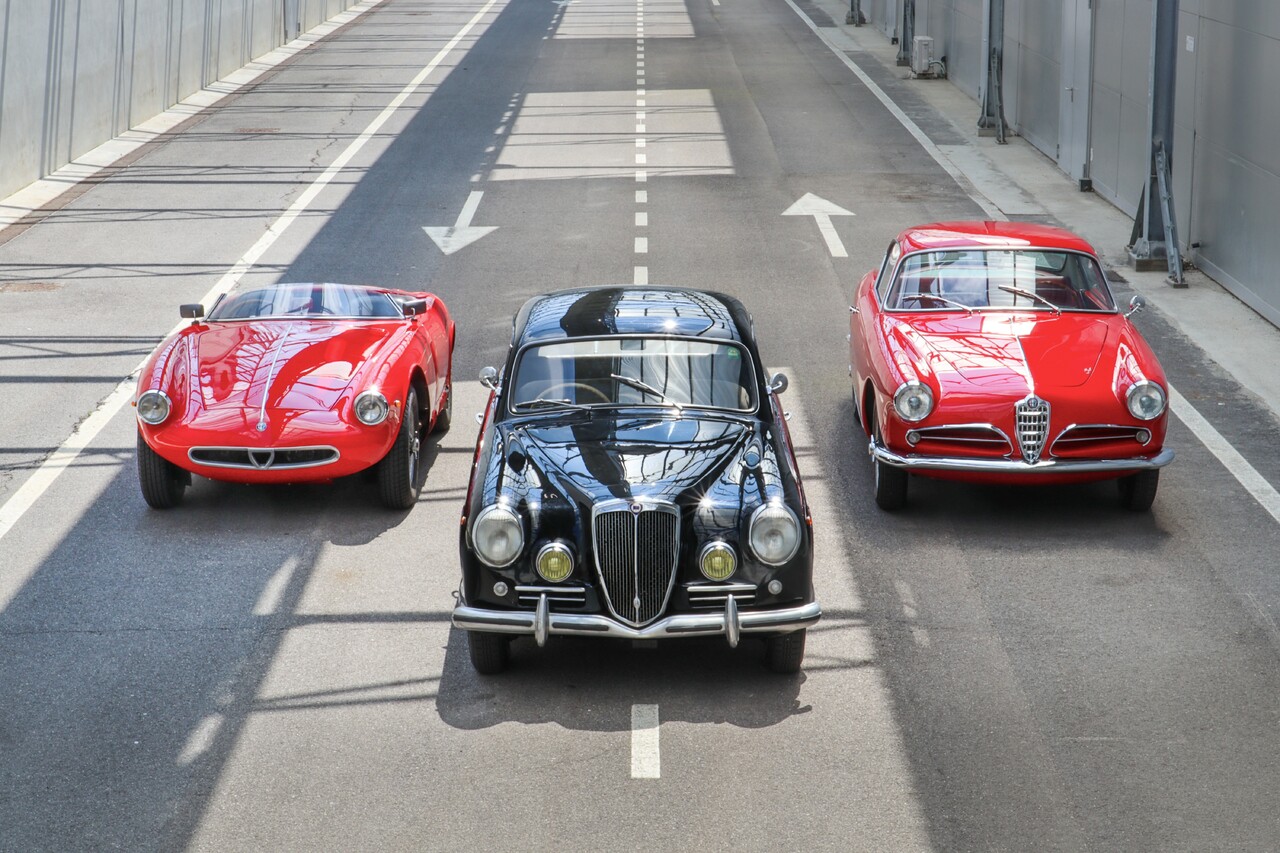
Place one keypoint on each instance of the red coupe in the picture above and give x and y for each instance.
(995, 352)
(296, 383)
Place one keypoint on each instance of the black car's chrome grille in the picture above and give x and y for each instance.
(636, 545)
(1032, 416)
(263, 458)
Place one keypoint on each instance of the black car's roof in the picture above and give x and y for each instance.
(631, 310)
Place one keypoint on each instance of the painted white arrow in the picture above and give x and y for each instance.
(561, 3)
(462, 234)
(822, 211)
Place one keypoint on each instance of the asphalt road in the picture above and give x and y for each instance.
(273, 668)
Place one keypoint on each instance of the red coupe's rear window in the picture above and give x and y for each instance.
(307, 300)
(969, 279)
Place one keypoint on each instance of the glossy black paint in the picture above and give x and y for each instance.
(552, 466)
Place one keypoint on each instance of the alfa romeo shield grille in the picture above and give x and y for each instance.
(1032, 415)
(636, 545)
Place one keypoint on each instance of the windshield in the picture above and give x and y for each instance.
(975, 279)
(634, 372)
(307, 300)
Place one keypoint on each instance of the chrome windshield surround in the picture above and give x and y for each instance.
(634, 566)
(1031, 417)
(264, 458)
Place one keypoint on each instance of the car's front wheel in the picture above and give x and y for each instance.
(786, 652)
(489, 653)
(161, 481)
(399, 478)
(890, 482)
(1138, 491)
(444, 417)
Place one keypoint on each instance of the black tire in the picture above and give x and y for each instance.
(162, 482)
(890, 483)
(444, 418)
(490, 653)
(1138, 491)
(786, 652)
(399, 474)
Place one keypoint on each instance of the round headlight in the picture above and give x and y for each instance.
(913, 401)
(153, 407)
(498, 536)
(1146, 400)
(554, 562)
(718, 562)
(775, 534)
(371, 408)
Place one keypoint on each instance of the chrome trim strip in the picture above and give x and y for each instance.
(271, 377)
(782, 620)
(1018, 466)
(926, 432)
(720, 588)
(249, 466)
(1062, 436)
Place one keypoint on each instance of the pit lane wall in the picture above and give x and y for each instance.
(1075, 87)
(77, 73)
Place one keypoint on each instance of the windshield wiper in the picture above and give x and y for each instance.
(935, 298)
(646, 388)
(1008, 288)
(544, 402)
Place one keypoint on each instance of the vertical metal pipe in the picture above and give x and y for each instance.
(991, 120)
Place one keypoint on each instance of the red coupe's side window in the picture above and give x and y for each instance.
(886, 268)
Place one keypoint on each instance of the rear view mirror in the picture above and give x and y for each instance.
(192, 311)
(778, 383)
(1136, 304)
(413, 307)
(489, 378)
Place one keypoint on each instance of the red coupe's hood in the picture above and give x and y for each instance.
(304, 366)
(1009, 353)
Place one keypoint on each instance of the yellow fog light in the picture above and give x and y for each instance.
(718, 562)
(554, 563)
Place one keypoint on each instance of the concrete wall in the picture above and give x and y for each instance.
(76, 73)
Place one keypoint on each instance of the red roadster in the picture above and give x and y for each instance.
(994, 352)
(296, 383)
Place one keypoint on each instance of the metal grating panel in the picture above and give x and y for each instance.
(1032, 416)
(636, 547)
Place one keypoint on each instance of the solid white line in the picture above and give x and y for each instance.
(21, 501)
(1254, 483)
(646, 760)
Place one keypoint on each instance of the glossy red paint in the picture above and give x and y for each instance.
(298, 379)
(979, 364)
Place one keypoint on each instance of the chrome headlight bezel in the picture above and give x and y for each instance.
(556, 547)
(717, 545)
(380, 408)
(785, 522)
(1145, 389)
(488, 523)
(909, 392)
(153, 407)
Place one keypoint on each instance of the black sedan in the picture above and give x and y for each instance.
(634, 478)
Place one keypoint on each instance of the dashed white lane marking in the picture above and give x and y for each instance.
(200, 739)
(641, 176)
(641, 276)
(646, 759)
(641, 159)
(273, 592)
(642, 245)
(1254, 483)
(39, 482)
(642, 219)
(642, 196)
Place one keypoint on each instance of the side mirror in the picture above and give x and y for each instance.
(192, 311)
(1136, 304)
(413, 307)
(489, 378)
(778, 383)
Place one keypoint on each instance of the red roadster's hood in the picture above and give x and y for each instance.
(303, 366)
(1005, 353)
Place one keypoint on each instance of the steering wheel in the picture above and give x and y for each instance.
(576, 386)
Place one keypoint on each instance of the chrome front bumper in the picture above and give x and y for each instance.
(729, 623)
(1017, 466)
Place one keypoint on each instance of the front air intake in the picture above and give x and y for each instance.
(1032, 416)
(636, 546)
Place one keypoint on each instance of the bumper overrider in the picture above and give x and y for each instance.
(912, 462)
(729, 623)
